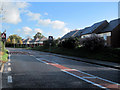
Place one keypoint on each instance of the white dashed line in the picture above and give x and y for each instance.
(9, 64)
(9, 69)
(9, 79)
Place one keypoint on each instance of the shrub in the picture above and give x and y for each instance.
(94, 42)
(46, 43)
(69, 43)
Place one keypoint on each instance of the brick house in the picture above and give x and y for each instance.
(110, 31)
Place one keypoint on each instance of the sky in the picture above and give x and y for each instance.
(54, 18)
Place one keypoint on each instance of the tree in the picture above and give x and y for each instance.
(13, 41)
(16, 37)
(8, 40)
(38, 35)
(20, 41)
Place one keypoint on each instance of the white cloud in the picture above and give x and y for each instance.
(22, 4)
(33, 16)
(44, 22)
(46, 13)
(38, 30)
(26, 30)
(66, 30)
(11, 11)
(58, 24)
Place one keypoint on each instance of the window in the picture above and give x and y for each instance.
(105, 36)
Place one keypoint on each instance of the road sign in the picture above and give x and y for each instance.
(51, 38)
(3, 36)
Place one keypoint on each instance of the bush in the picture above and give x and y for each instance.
(94, 42)
(46, 43)
(69, 43)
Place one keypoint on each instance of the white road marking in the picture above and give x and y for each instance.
(9, 69)
(9, 60)
(85, 80)
(9, 64)
(99, 78)
(9, 79)
(69, 69)
(41, 60)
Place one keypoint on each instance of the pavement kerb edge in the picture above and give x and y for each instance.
(90, 62)
(2, 67)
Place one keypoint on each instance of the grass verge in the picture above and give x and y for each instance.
(106, 54)
(4, 54)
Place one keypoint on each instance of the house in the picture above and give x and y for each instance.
(33, 42)
(94, 28)
(111, 33)
(70, 34)
(26, 41)
(38, 41)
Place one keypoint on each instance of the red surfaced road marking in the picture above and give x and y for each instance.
(59, 66)
(46, 61)
(104, 83)
(79, 74)
(86, 76)
(69, 69)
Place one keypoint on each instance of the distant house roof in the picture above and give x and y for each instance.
(27, 40)
(37, 40)
(94, 27)
(69, 34)
(43, 39)
(111, 26)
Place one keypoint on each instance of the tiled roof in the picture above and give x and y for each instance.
(38, 40)
(27, 40)
(111, 26)
(94, 27)
(69, 34)
(78, 34)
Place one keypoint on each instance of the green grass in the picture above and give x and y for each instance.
(5, 55)
(106, 54)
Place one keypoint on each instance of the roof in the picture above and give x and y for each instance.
(43, 39)
(78, 33)
(94, 27)
(27, 40)
(111, 26)
(69, 34)
(38, 40)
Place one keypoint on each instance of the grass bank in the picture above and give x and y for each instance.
(4, 54)
(106, 54)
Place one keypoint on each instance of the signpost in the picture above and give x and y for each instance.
(3, 37)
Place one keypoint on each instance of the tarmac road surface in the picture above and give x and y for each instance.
(37, 70)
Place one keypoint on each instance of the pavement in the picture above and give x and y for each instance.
(92, 61)
(38, 70)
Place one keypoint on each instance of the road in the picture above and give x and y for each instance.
(34, 69)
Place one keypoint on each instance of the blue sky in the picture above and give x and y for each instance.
(58, 18)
